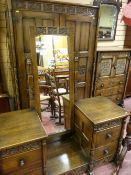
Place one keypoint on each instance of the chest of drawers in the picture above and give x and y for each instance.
(111, 74)
(99, 128)
(22, 144)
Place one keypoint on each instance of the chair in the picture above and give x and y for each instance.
(57, 97)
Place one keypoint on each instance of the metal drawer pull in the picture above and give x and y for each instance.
(121, 82)
(109, 135)
(21, 163)
(106, 152)
(102, 85)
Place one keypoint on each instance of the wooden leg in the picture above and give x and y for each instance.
(126, 147)
(128, 136)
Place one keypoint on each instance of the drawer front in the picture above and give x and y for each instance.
(104, 151)
(82, 123)
(104, 92)
(103, 83)
(22, 162)
(107, 136)
(116, 98)
(118, 81)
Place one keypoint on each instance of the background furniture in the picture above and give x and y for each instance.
(22, 143)
(111, 72)
(128, 87)
(4, 103)
(99, 126)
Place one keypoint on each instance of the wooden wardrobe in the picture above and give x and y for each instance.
(80, 19)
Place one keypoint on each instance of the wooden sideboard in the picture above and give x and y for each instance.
(99, 126)
(22, 143)
(111, 72)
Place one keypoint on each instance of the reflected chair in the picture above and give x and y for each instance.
(57, 99)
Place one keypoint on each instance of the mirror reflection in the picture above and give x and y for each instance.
(53, 79)
(107, 22)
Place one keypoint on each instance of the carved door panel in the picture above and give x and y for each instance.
(28, 74)
(84, 30)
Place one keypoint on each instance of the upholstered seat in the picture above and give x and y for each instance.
(61, 91)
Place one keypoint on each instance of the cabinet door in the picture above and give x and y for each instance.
(121, 64)
(84, 29)
(27, 68)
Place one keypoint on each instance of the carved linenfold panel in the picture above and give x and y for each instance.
(120, 66)
(56, 8)
(59, 9)
(47, 7)
(108, 124)
(19, 149)
(51, 31)
(41, 30)
(34, 6)
(105, 67)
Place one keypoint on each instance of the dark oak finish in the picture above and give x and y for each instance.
(111, 72)
(99, 128)
(65, 156)
(82, 20)
(22, 143)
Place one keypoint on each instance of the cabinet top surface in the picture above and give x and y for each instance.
(100, 109)
(19, 127)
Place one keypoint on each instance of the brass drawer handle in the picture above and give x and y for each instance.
(117, 98)
(21, 163)
(109, 135)
(102, 85)
(106, 152)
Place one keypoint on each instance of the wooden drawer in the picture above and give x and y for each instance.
(118, 81)
(104, 151)
(24, 162)
(116, 98)
(82, 124)
(110, 91)
(102, 83)
(104, 92)
(107, 136)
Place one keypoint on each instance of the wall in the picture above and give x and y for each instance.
(120, 31)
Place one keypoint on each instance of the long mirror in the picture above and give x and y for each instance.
(53, 79)
(107, 22)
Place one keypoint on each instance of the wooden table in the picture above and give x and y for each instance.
(22, 143)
